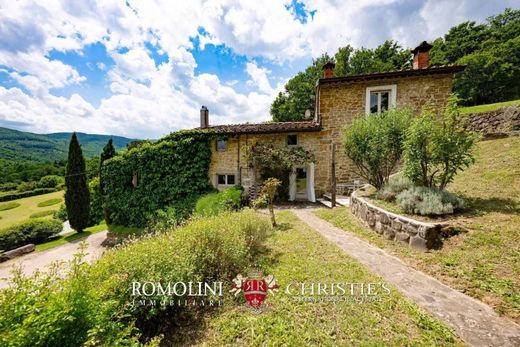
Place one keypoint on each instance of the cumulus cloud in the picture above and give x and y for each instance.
(148, 99)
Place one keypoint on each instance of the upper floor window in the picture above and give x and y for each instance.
(222, 145)
(380, 98)
(292, 140)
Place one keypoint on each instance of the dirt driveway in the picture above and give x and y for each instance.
(40, 260)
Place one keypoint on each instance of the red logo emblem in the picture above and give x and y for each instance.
(255, 287)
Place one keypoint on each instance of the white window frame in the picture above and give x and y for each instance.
(392, 100)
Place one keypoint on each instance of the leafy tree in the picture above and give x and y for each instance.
(77, 196)
(491, 52)
(374, 144)
(51, 181)
(298, 96)
(437, 147)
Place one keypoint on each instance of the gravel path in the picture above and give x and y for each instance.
(472, 320)
(40, 260)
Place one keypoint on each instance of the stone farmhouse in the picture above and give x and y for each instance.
(338, 101)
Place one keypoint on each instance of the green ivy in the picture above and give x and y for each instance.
(171, 172)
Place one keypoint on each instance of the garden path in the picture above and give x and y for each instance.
(473, 321)
(40, 260)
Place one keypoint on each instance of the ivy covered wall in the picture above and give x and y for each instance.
(172, 172)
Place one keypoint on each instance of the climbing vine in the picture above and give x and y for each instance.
(172, 172)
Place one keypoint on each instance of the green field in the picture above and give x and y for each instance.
(296, 253)
(28, 206)
(488, 107)
(485, 261)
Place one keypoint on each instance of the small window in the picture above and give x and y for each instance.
(222, 145)
(292, 140)
(381, 98)
(226, 180)
(379, 101)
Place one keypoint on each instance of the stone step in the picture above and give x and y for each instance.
(341, 200)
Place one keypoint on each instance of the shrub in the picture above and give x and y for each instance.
(163, 220)
(43, 214)
(61, 214)
(215, 203)
(206, 249)
(6, 187)
(9, 206)
(51, 181)
(32, 231)
(428, 201)
(50, 202)
(26, 186)
(395, 185)
(437, 147)
(60, 312)
(19, 195)
(374, 144)
(90, 306)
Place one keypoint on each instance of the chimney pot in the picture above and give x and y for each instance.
(421, 56)
(328, 69)
(204, 117)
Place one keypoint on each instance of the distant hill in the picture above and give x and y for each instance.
(22, 145)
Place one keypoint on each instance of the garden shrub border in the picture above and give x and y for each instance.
(26, 194)
(414, 233)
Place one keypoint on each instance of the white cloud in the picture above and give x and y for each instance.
(148, 100)
(259, 77)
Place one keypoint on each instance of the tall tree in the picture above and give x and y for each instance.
(298, 95)
(77, 195)
(108, 152)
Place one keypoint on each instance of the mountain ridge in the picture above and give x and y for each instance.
(21, 145)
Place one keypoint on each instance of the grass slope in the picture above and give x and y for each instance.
(488, 107)
(19, 145)
(28, 207)
(296, 254)
(485, 262)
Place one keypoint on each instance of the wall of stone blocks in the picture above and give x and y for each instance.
(414, 233)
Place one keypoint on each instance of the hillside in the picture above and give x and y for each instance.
(21, 145)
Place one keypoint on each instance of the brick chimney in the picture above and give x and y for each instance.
(204, 117)
(328, 69)
(421, 56)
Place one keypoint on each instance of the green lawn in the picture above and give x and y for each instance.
(296, 253)
(485, 262)
(28, 206)
(72, 236)
(488, 107)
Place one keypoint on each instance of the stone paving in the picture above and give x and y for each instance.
(473, 321)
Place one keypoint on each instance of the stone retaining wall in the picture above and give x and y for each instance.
(414, 233)
(17, 252)
(499, 123)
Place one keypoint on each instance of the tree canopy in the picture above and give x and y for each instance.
(491, 51)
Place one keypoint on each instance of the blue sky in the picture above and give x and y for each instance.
(144, 68)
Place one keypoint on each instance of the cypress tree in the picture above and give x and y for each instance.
(108, 152)
(77, 195)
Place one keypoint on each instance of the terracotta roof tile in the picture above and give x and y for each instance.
(263, 128)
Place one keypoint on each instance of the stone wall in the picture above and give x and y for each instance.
(499, 123)
(414, 233)
(341, 103)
